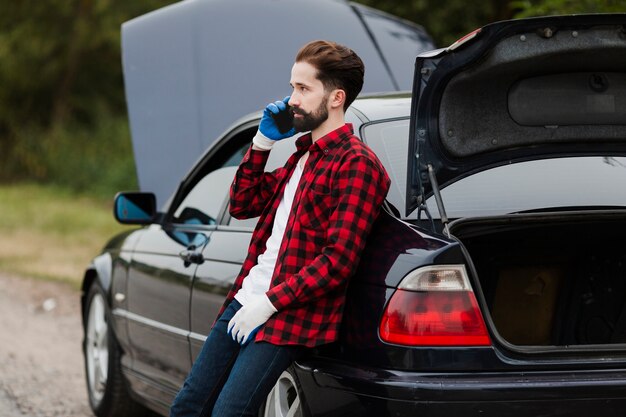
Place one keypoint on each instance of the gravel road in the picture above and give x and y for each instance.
(41, 365)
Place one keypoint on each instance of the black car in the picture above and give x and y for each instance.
(494, 280)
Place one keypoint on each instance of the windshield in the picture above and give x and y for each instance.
(532, 185)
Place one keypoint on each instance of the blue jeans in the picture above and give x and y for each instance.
(230, 380)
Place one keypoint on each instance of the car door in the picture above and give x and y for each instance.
(223, 258)
(158, 288)
(226, 250)
(160, 278)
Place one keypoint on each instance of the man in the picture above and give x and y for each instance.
(315, 214)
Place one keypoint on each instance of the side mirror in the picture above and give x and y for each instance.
(135, 208)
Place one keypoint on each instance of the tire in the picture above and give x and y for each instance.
(285, 399)
(106, 387)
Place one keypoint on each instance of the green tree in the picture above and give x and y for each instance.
(529, 8)
(61, 59)
(61, 66)
(446, 21)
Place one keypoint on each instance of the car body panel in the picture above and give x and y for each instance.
(188, 66)
(468, 114)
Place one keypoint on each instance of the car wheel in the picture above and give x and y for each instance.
(106, 386)
(285, 399)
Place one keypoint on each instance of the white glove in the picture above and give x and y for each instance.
(247, 321)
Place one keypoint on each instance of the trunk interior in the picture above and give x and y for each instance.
(552, 280)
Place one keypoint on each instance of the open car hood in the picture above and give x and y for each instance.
(193, 68)
(517, 90)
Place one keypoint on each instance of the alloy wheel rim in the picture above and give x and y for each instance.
(283, 400)
(97, 349)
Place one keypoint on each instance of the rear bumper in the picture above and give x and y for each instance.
(339, 390)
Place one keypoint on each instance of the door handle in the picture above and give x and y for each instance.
(191, 257)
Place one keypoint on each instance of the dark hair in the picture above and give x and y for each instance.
(337, 67)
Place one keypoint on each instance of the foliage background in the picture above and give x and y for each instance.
(62, 111)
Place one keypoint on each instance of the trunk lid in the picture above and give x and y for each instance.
(516, 91)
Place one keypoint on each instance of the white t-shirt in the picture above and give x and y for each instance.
(258, 280)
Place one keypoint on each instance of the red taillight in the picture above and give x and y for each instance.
(434, 306)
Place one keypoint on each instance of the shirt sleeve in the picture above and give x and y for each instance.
(362, 186)
(252, 187)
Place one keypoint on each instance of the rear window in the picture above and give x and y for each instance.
(532, 185)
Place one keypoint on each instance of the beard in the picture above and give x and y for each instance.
(311, 120)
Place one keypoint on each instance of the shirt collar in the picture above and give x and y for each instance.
(328, 141)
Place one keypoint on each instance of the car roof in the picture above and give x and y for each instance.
(367, 107)
(375, 107)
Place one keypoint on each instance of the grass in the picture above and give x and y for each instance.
(50, 232)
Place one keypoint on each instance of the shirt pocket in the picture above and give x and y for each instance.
(315, 208)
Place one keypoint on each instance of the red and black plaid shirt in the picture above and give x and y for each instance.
(339, 196)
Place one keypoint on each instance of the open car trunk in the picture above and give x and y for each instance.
(552, 279)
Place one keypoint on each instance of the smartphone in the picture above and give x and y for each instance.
(284, 120)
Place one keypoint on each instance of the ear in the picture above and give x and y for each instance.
(337, 98)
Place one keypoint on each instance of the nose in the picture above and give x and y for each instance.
(293, 100)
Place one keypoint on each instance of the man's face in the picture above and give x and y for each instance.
(309, 99)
